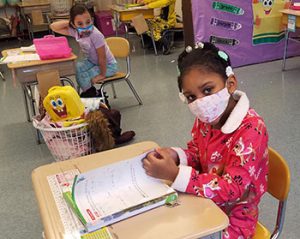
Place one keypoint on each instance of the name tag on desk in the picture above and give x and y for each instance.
(291, 23)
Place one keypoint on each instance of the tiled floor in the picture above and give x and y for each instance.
(162, 118)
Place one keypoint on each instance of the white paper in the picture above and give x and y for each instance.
(58, 183)
(21, 58)
(28, 48)
(113, 188)
(291, 23)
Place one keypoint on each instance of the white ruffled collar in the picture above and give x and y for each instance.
(238, 113)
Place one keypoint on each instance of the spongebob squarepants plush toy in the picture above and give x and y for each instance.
(63, 104)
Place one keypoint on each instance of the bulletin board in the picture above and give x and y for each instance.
(249, 31)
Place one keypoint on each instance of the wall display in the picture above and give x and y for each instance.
(267, 27)
(248, 31)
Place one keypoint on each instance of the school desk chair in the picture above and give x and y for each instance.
(120, 48)
(278, 187)
(167, 36)
(141, 26)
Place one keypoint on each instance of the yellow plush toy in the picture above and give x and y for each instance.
(63, 104)
(167, 18)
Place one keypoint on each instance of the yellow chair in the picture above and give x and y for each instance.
(120, 48)
(278, 187)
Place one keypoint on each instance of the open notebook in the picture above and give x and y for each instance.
(115, 192)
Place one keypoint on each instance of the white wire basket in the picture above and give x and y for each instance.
(67, 142)
(61, 7)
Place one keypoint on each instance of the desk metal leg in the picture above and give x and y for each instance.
(152, 37)
(143, 43)
(153, 41)
(285, 49)
(29, 96)
(126, 31)
(2, 76)
(32, 100)
(117, 21)
(26, 103)
(113, 90)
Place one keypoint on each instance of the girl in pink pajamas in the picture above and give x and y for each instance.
(227, 158)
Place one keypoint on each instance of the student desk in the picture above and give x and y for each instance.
(26, 11)
(25, 73)
(285, 18)
(194, 218)
(122, 14)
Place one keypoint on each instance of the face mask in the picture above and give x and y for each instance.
(85, 31)
(210, 108)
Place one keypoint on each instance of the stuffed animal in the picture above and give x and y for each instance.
(113, 118)
(100, 132)
(63, 103)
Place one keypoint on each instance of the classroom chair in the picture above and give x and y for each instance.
(37, 21)
(168, 36)
(278, 187)
(120, 48)
(141, 26)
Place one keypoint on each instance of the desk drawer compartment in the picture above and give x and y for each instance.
(28, 10)
(28, 74)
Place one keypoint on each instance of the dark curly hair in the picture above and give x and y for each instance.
(206, 58)
(77, 9)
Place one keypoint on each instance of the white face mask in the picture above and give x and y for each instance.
(210, 108)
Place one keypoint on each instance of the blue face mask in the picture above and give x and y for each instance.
(85, 31)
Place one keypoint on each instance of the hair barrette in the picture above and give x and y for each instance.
(229, 71)
(199, 45)
(223, 55)
(188, 49)
(182, 97)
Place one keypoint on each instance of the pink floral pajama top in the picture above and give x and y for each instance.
(229, 166)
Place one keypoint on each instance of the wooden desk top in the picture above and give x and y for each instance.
(123, 9)
(126, 14)
(16, 65)
(193, 218)
(290, 12)
(32, 4)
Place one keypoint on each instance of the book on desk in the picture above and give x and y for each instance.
(115, 192)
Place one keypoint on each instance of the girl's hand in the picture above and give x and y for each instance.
(171, 152)
(98, 79)
(161, 164)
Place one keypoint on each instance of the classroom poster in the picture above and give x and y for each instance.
(267, 27)
(249, 32)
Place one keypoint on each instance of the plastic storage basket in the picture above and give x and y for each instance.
(68, 142)
(51, 47)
